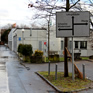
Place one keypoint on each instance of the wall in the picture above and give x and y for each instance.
(10, 39)
(36, 37)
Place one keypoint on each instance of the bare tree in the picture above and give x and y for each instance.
(50, 7)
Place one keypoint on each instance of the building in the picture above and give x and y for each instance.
(37, 37)
(82, 45)
(34, 36)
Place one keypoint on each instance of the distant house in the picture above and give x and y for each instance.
(34, 36)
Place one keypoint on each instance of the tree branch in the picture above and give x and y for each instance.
(90, 1)
(74, 4)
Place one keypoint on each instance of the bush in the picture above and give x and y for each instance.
(26, 59)
(91, 57)
(25, 49)
(36, 59)
(54, 58)
(20, 48)
(38, 53)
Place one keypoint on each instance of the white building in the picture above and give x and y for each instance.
(34, 36)
(37, 36)
(10, 39)
(81, 44)
(0, 34)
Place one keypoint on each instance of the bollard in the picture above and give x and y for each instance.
(55, 71)
(83, 65)
(49, 68)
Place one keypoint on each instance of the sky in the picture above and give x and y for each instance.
(15, 11)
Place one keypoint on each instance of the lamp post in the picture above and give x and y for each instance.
(31, 31)
(22, 36)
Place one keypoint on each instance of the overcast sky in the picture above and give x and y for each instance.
(15, 11)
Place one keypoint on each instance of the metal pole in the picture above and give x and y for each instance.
(48, 36)
(83, 65)
(55, 71)
(72, 60)
(49, 68)
(22, 37)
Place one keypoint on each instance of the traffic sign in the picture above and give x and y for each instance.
(19, 38)
(72, 24)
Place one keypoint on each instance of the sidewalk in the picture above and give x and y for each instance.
(20, 79)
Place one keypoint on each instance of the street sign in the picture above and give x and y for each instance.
(72, 24)
(44, 43)
(19, 38)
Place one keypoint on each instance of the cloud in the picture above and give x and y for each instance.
(14, 11)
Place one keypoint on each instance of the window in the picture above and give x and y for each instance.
(61, 45)
(83, 44)
(40, 45)
(76, 44)
(70, 45)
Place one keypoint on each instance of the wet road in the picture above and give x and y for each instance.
(15, 78)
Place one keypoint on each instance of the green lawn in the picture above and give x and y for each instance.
(60, 59)
(84, 58)
(65, 83)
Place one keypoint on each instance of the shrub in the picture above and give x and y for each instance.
(25, 49)
(38, 53)
(54, 58)
(20, 48)
(91, 57)
(36, 59)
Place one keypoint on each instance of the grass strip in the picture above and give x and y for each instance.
(65, 83)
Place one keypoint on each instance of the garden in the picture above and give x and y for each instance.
(26, 54)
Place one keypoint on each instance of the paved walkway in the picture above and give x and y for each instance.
(44, 67)
(21, 80)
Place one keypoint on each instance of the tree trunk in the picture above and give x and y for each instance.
(66, 45)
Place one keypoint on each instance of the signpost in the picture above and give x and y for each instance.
(72, 24)
(19, 38)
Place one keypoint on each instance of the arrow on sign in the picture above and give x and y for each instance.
(73, 26)
(64, 29)
(80, 23)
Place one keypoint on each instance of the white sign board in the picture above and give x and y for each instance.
(72, 24)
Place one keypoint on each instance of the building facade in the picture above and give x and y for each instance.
(34, 36)
(37, 37)
(82, 45)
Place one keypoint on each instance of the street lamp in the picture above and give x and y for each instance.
(22, 36)
(31, 31)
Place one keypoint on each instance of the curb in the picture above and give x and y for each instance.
(77, 90)
(50, 83)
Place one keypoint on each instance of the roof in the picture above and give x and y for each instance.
(33, 28)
